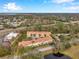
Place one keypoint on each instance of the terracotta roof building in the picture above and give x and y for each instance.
(36, 42)
(38, 34)
(38, 38)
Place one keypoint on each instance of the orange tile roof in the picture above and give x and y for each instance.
(34, 41)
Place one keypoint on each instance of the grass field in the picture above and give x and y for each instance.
(73, 52)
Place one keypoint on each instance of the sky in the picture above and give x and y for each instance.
(39, 6)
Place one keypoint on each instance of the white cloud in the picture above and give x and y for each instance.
(62, 1)
(12, 7)
(72, 8)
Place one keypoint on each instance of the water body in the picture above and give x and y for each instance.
(57, 56)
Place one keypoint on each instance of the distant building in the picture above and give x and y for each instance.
(15, 24)
(10, 36)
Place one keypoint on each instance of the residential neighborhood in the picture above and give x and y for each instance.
(33, 36)
(39, 29)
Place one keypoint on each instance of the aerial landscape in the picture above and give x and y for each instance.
(39, 29)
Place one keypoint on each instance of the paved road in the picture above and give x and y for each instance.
(46, 48)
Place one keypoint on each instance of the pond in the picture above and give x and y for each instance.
(57, 56)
